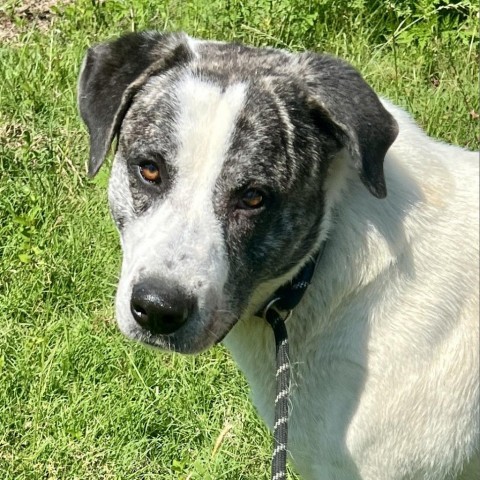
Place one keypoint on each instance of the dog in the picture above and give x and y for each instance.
(234, 166)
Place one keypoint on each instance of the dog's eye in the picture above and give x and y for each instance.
(251, 199)
(150, 172)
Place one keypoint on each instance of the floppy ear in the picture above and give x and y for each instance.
(361, 123)
(112, 73)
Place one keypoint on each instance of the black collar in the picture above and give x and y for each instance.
(288, 296)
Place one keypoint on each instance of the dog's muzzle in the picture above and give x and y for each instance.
(160, 308)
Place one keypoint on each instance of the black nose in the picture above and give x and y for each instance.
(159, 309)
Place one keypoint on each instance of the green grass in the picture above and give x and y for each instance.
(77, 400)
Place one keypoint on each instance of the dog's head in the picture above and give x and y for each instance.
(220, 180)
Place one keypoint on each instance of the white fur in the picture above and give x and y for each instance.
(206, 123)
(385, 344)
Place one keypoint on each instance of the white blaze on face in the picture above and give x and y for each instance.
(180, 239)
(205, 126)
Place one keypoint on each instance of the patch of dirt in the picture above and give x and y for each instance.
(11, 134)
(37, 13)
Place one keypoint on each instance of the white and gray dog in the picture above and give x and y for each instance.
(234, 166)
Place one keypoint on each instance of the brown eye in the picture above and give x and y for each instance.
(251, 199)
(150, 172)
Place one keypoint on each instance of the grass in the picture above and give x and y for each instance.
(77, 400)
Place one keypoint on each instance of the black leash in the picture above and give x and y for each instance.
(285, 299)
(280, 427)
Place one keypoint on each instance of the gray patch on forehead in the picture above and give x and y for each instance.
(277, 138)
(258, 151)
(151, 122)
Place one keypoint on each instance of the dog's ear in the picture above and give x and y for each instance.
(112, 73)
(341, 97)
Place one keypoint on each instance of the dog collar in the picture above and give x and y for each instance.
(288, 296)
